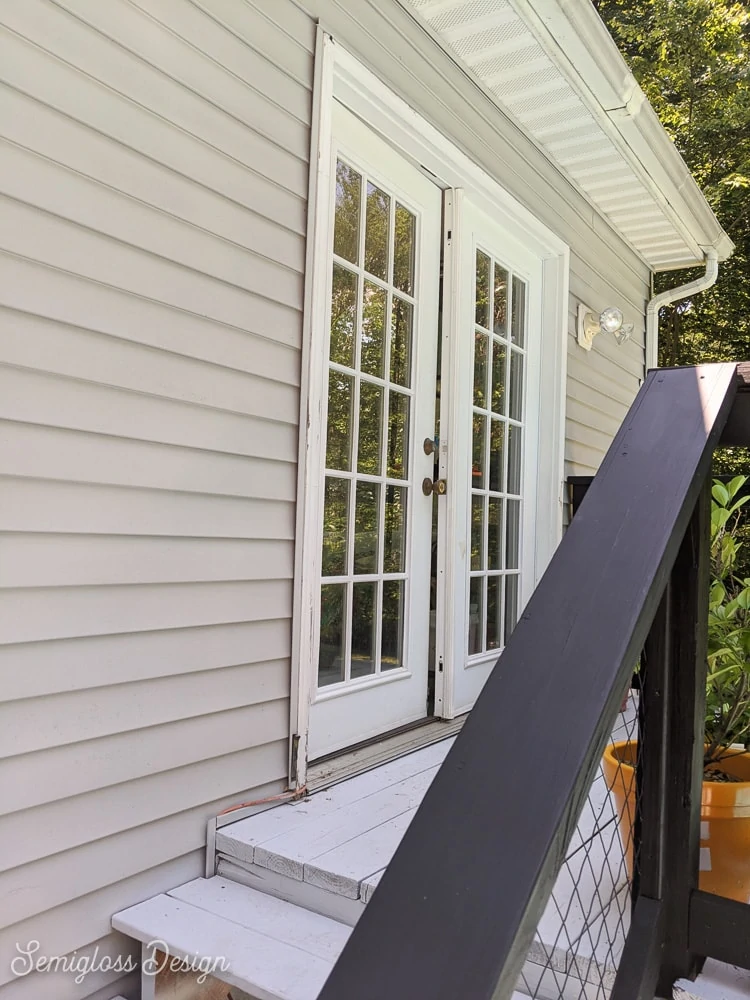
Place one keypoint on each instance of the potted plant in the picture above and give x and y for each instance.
(725, 802)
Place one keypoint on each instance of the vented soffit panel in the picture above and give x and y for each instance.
(553, 68)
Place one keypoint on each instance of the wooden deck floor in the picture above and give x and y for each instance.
(328, 853)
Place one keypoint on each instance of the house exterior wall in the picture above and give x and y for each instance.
(154, 171)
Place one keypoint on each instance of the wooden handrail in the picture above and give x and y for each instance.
(737, 428)
(457, 908)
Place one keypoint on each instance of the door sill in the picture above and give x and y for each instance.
(337, 767)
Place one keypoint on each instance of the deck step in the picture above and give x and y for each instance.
(716, 982)
(328, 852)
(293, 880)
(338, 840)
(266, 947)
(271, 949)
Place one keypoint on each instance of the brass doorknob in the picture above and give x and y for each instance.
(438, 487)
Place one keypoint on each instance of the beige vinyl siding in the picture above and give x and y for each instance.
(602, 382)
(153, 184)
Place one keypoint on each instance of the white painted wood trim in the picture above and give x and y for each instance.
(339, 74)
(312, 396)
(210, 867)
(553, 383)
(422, 143)
(448, 522)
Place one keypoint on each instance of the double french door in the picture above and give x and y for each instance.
(418, 588)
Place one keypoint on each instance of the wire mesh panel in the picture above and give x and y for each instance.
(580, 938)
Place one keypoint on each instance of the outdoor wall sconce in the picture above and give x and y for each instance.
(608, 321)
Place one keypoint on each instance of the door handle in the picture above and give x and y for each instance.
(438, 487)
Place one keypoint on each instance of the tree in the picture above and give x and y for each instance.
(691, 57)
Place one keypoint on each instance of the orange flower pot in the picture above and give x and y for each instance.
(725, 820)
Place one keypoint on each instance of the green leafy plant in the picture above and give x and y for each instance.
(728, 681)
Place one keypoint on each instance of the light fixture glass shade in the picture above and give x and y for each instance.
(623, 334)
(611, 319)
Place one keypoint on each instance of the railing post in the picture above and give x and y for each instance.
(642, 958)
(689, 585)
(649, 826)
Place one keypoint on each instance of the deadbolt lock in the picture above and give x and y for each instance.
(438, 487)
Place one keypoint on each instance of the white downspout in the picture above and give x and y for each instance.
(672, 295)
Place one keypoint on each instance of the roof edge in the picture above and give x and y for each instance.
(577, 39)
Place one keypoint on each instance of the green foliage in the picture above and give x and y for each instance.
(692, 59)
(728, 682)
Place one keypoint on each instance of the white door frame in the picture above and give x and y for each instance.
(339, 74)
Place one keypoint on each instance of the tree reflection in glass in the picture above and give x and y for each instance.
(346, 226)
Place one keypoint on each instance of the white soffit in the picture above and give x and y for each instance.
(553, 67)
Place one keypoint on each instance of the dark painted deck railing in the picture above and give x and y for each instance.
(456, 911)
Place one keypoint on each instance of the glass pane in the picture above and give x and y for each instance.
(495, 534)
(402, 318)
(500, 302)
(398, 436)
(366, 524)
(477, 532)
(515, 386)
(339, 437)
(477, 460)
(403, 254)
(376, 231)
(494, 612)
(513, 534)
(372, 357)
(497, 454)
(481, 346)
(394, 542)
(364, 617)
(332, 627)
(518, 319)
(511, 604)
(346, 228)
(482, 300)
(392, 641)
(476, 585)
(343, 316)
(514, 459)
(335, 523)
(498, 378)
(370, 428)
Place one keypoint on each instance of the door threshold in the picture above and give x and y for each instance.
(329, 770)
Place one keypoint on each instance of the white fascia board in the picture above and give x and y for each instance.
(639, 125)
(574, 35)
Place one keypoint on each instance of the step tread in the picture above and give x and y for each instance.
(270, 948)
(717, 981)
(287, 837)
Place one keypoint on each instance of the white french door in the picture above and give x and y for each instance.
(490, 416)
(375, 546)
